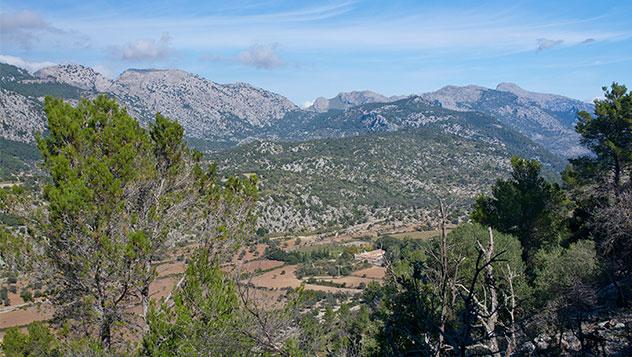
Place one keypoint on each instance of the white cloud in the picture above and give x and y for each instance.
(545, 44)
(261, 56)
(483, 30)
(307, 104)
(22, 63)
(144, 50)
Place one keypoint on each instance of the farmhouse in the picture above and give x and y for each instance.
(375, 257)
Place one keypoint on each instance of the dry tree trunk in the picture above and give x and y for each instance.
(492, 318)
(443, 283)
(511, 309)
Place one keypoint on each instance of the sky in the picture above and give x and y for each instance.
(306, 49)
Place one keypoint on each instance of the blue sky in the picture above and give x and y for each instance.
(305, 49)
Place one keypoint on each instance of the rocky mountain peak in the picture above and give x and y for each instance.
(202, 106)
(321, 104)
(76, 75)
(142, 77)
(454, 97)
(510, 87)
(513, 88)
(549, 101)
(346, 100)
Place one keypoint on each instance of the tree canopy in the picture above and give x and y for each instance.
(527, 206)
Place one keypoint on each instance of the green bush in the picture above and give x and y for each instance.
(559, 269)
(26, 295)
(38, 341)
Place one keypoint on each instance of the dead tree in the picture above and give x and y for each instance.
(480, 304)
(445, 283)
(270, 327)
(510, 307)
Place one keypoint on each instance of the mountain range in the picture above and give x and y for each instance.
(219, 116)
(207, 110)
(357, 157)
(547, 119)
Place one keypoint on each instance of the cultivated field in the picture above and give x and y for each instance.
(270, 278)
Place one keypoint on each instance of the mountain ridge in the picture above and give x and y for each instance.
(547, 119)
(346, 100)
(225, 115)
(206, 109)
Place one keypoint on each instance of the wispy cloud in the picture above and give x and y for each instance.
(261, 56)
(24, 28)
(27, 28)
(545, 44)
(22, 63)
(144, 50)
(345, 25)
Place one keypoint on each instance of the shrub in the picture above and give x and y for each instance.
(38, 341)
(26, 295)
(560, 269)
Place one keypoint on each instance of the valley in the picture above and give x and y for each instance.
(163, 210)
(270, 279)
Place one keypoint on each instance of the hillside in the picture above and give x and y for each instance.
(15, 158)
(387, 176)
(547, 119)
(384, 159)
(220, 113)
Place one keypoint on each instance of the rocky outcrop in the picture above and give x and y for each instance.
(203, 107)
(75, 75)
(612, 337)
(547, 119)
(207, 110)
(346, 100)
(20, 117)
